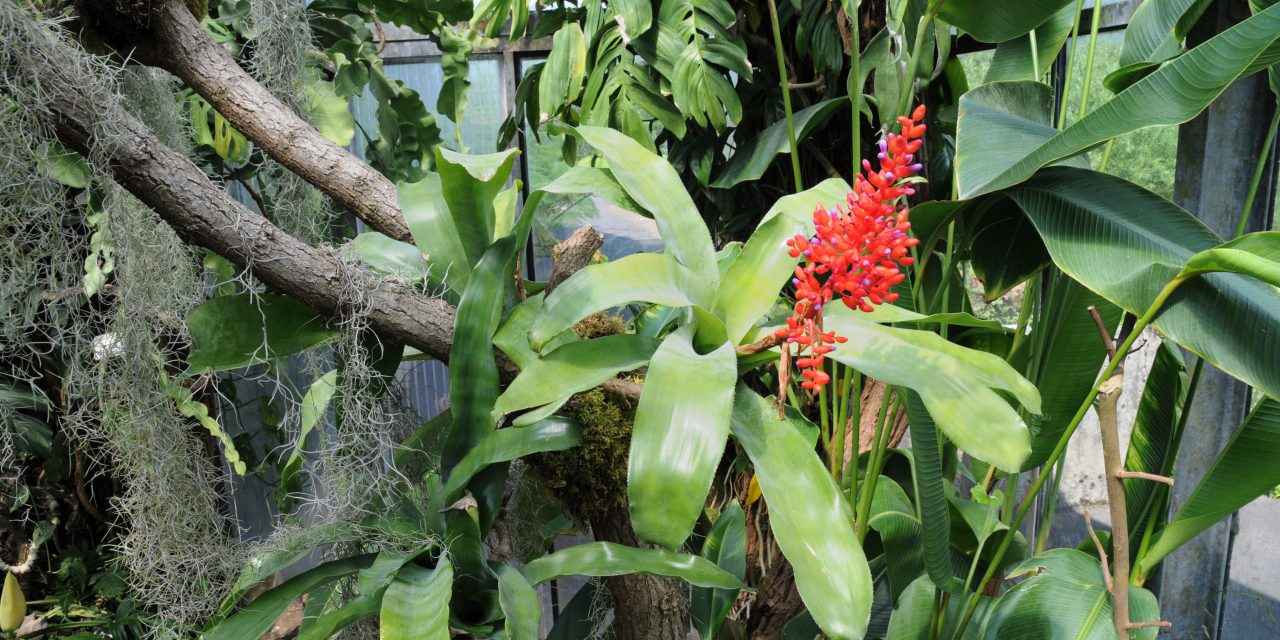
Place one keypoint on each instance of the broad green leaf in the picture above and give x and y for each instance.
(655, 186)
(416, 604)
(1065, 595)
(258, 616)
(892, 314)
(692, 47)
(753, 157)
(1004, 250)
(231, 332)
(1226, 318)
(1171, 95)
(520, 607)
(1153, 447)
(1244, 470)
(681, 425)
(63, 165)
(263, 564)
(331, 622)
(330, 113)
(602, 559)
(561, 80)
(810, 518)
(642, 277)
(594, 181)
(513, 335)
(725, 545)
(997, 21)
(392, 258)
(636, 16)
(901, 534)
(1255, 254)
(913, 615)
(1013, 60)
(1154, 34)
(469, 184)
(956, 384)
(751, 285)
(572, 368)
(314, 405)
(503, 445)
(434, 231)
(1068, 356)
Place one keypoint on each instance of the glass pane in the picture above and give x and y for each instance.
(480, 120)
(1145, 157)
(625, 232)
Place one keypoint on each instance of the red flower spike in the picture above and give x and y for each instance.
(855, 254)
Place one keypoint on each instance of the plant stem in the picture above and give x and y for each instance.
(1061, 447)
(913, 65)
(880, 441)
(1035, 56)
(855, 94)
(1051, 506)
(825, 422)
(1088, 65)
(785, 84)
(1113, 463)
(1071, 57)
(852, 478)
(1257, 172)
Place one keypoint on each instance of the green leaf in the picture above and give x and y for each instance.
(641, 277)
(996, 22)
(432, 225)
(602, 559)
(956, 384)
(331, 622)
(681, 425)
(561, 80)
(572, 368)
(1172, 95)
(725, 545)
(391, 258)
(901, 534)
(258, 616)
(1065, 595)
(1005, 250)
(1254, 254)
(1013, 60)
(231, 332)
(263, 564)
(469, 184)
(1154, 34)
(656, 187)
(330, 113)
(754, 156)
(751, 285)
(636, 16)
(1153, 447)
(1244, 470)
(503, 445)
(892, 314)
(1091, 222)
(577, 619)
(513, 335)
(520, 607)
(63, 165)
(931, 488)
(810, 518)
(314, 405)
(416, 604)
(692, 48)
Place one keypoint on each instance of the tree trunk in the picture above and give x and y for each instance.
(644, 607)
(777, 602)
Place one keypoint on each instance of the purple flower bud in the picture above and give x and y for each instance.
(795, 281)
(805, 253)
(884, 147)
(889, 176)
(817, 307)
(881, 157)
(866, 282)
(917, 166)
(887, 251)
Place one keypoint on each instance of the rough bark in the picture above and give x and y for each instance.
(204, 215)
(777, 602)
(645, 607)
(572, 254)
(180, 46)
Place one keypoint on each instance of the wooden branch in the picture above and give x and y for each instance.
(1102, 553)
(1142, 475)
(182, 47)
(1113, 461)
(572, 254)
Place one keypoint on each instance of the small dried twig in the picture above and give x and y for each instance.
(1102, 554)
(1142, 475)
(1107, 340)
(764, 344)
(816, 82)
(1139, 625)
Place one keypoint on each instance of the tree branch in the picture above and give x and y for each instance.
(181, 46)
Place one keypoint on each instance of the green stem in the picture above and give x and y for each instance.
(855, 94)
(875, 462)
(1071, 58)
(913, 65)
(825, 423)
(1088, 65)
(1050, 508)
(785, 82)
(1106, 155)
(1257, 172)
(1061, 447)
(1035, 56)
(852, 478)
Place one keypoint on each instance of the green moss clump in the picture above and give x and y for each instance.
(599, 324)
(592, 477)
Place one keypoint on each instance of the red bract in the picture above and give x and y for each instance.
(855, 254)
